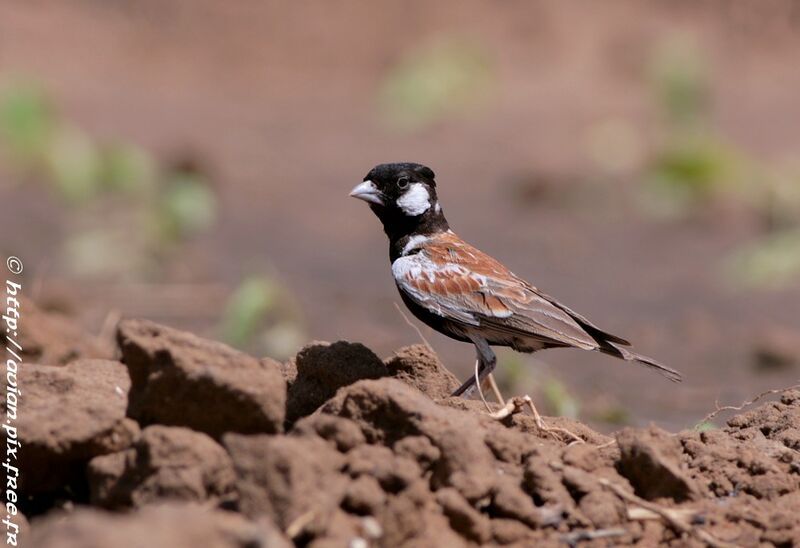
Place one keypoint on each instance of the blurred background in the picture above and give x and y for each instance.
(189, 162)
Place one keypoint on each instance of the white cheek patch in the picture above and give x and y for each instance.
(415, 201)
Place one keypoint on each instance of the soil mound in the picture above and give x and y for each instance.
(191, 443)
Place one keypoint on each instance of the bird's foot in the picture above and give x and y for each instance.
(518, 404)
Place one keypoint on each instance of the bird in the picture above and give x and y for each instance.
(462, 292)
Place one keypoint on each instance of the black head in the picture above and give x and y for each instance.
(403, 196)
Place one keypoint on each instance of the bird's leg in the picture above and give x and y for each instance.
(488, 361)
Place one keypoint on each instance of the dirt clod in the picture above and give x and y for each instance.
(323, 368)
(179, 379)
(68, 415)
(50, 338)
(419, 366)
(167, 462)
(650, 460)
(169, 525)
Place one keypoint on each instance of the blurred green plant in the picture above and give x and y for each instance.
(693, 165)
(168, 205)
(513, 374)
(613, 414)
(705, 426)
(695, 170)
(680, 78)
(261, 315)
(74, 164)
(127, 212)
(559, 400)
(434, 81)
(27, 121)
(126, 168)
(247, 309)
(187, 205)
(771, 262)
(511, 371)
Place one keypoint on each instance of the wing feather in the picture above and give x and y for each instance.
(450, 278)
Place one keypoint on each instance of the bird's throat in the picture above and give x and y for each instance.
(400, 228)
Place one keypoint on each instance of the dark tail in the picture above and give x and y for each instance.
(619, 351)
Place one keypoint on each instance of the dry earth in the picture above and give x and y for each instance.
(175, 441)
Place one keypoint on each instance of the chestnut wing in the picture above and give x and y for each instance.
(450, 278)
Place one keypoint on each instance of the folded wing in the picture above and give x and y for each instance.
(450, 278)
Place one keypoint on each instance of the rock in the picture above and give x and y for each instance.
(167, 462)
(323, 368)
(285, 477)
(169, 525)
(650, 460)
(420, 367)
(179, 379)
(69, 415)
(50, 338)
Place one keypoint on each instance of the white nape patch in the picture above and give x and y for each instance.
(413, 243)
(415, 201)
(437, 208)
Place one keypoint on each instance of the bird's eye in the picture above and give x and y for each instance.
(402, 182)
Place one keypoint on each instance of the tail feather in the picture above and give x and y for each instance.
(614, 349)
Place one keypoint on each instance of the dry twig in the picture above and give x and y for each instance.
(297, 526)
(638, 513)
(747, 403)
(414, 327)
(496, 390)
(516, 404)
(670, 517)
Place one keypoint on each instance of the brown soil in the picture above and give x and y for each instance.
(281, 101)
(373, 454)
